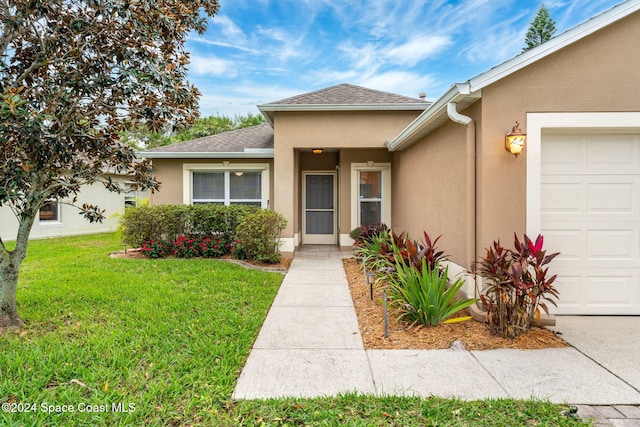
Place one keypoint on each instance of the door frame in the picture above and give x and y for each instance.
(324, 239)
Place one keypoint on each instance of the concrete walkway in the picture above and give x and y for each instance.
(310, 346)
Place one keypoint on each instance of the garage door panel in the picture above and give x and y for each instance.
(612, 150)
(590, 213)
(570, 244)
(612, 198)
(612, 291)
(611, 245)
(561, 198)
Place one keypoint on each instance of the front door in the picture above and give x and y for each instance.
(319, 212)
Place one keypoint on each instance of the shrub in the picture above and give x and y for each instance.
(213, 247)
(186, 247)
(258, 236)
(422, 296)
(156, 249)
(382, 251)
(140, 224)
(367, 232)
(517, 286)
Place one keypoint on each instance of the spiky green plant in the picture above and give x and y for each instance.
(422, 295)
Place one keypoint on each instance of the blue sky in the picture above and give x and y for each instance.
(259, 51)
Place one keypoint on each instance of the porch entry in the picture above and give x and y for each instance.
(319, 208)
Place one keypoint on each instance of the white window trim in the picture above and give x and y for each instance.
(356, 168)
(537, 123)
(227, 167)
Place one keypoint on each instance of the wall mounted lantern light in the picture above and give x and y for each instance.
(514, 140)
(317, 150)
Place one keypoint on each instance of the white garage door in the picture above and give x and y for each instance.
(590, 202)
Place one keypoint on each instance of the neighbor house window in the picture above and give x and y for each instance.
(228, 185)
(50, 212)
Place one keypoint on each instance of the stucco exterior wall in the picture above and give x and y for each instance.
(429, 188)
(70, 221)
(170, 174)
(598, 73)
(296, 132)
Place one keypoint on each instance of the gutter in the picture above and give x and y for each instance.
(247, 154)
(455, 116)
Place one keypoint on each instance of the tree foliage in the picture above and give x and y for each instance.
(141, 138)
(542, 29)
(73, 75)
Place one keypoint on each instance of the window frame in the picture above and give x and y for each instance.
(57, 219)
(227, 168)
(385, 191)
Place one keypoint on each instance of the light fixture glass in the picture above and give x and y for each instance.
(317, 150)
(239, 173)
(514, 140)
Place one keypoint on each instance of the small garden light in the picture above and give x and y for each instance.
(514, 140)
(371, 278)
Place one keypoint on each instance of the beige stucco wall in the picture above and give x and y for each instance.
(170, 174)
(598, 73)
(429, 188)
(297, 132)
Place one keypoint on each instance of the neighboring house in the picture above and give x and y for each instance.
(60, 219)
(443, 167)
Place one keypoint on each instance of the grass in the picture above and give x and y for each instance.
(166, 340)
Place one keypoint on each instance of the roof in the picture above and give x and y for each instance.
(465, 94)
(253, 142)
(344, 97)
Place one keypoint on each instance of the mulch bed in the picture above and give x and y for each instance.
(474, 335)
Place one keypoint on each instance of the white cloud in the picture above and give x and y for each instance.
(229, 29)
(417, 49)
(211, 65)
(400, 82)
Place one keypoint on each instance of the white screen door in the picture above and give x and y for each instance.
(319, 216)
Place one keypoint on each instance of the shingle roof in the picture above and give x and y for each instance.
(346, 94)
(255, 137)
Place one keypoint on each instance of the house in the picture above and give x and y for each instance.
(61, 219)
(332, 159)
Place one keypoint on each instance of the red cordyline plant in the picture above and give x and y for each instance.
(516, 285)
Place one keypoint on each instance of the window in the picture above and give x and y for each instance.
(231, 184)
(50, 212)
(370, 193)
(370, 197)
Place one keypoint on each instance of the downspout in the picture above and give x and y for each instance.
(455, 116)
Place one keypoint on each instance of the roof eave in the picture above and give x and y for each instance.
(434, 116)
(268, 110)
(568, 37)
(250, 154)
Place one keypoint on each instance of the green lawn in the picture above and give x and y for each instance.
(165, 340)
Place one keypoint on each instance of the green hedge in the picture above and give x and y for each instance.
(167, 222)
(258, 236)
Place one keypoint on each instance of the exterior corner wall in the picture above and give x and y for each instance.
(429, 188)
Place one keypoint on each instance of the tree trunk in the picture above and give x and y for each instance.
(9, 271)
(8, 286)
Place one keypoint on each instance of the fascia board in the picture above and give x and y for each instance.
(435, 113)
(266, 154)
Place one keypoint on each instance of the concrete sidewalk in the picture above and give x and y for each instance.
(310, 345)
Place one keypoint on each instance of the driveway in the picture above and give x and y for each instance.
(611, 341)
